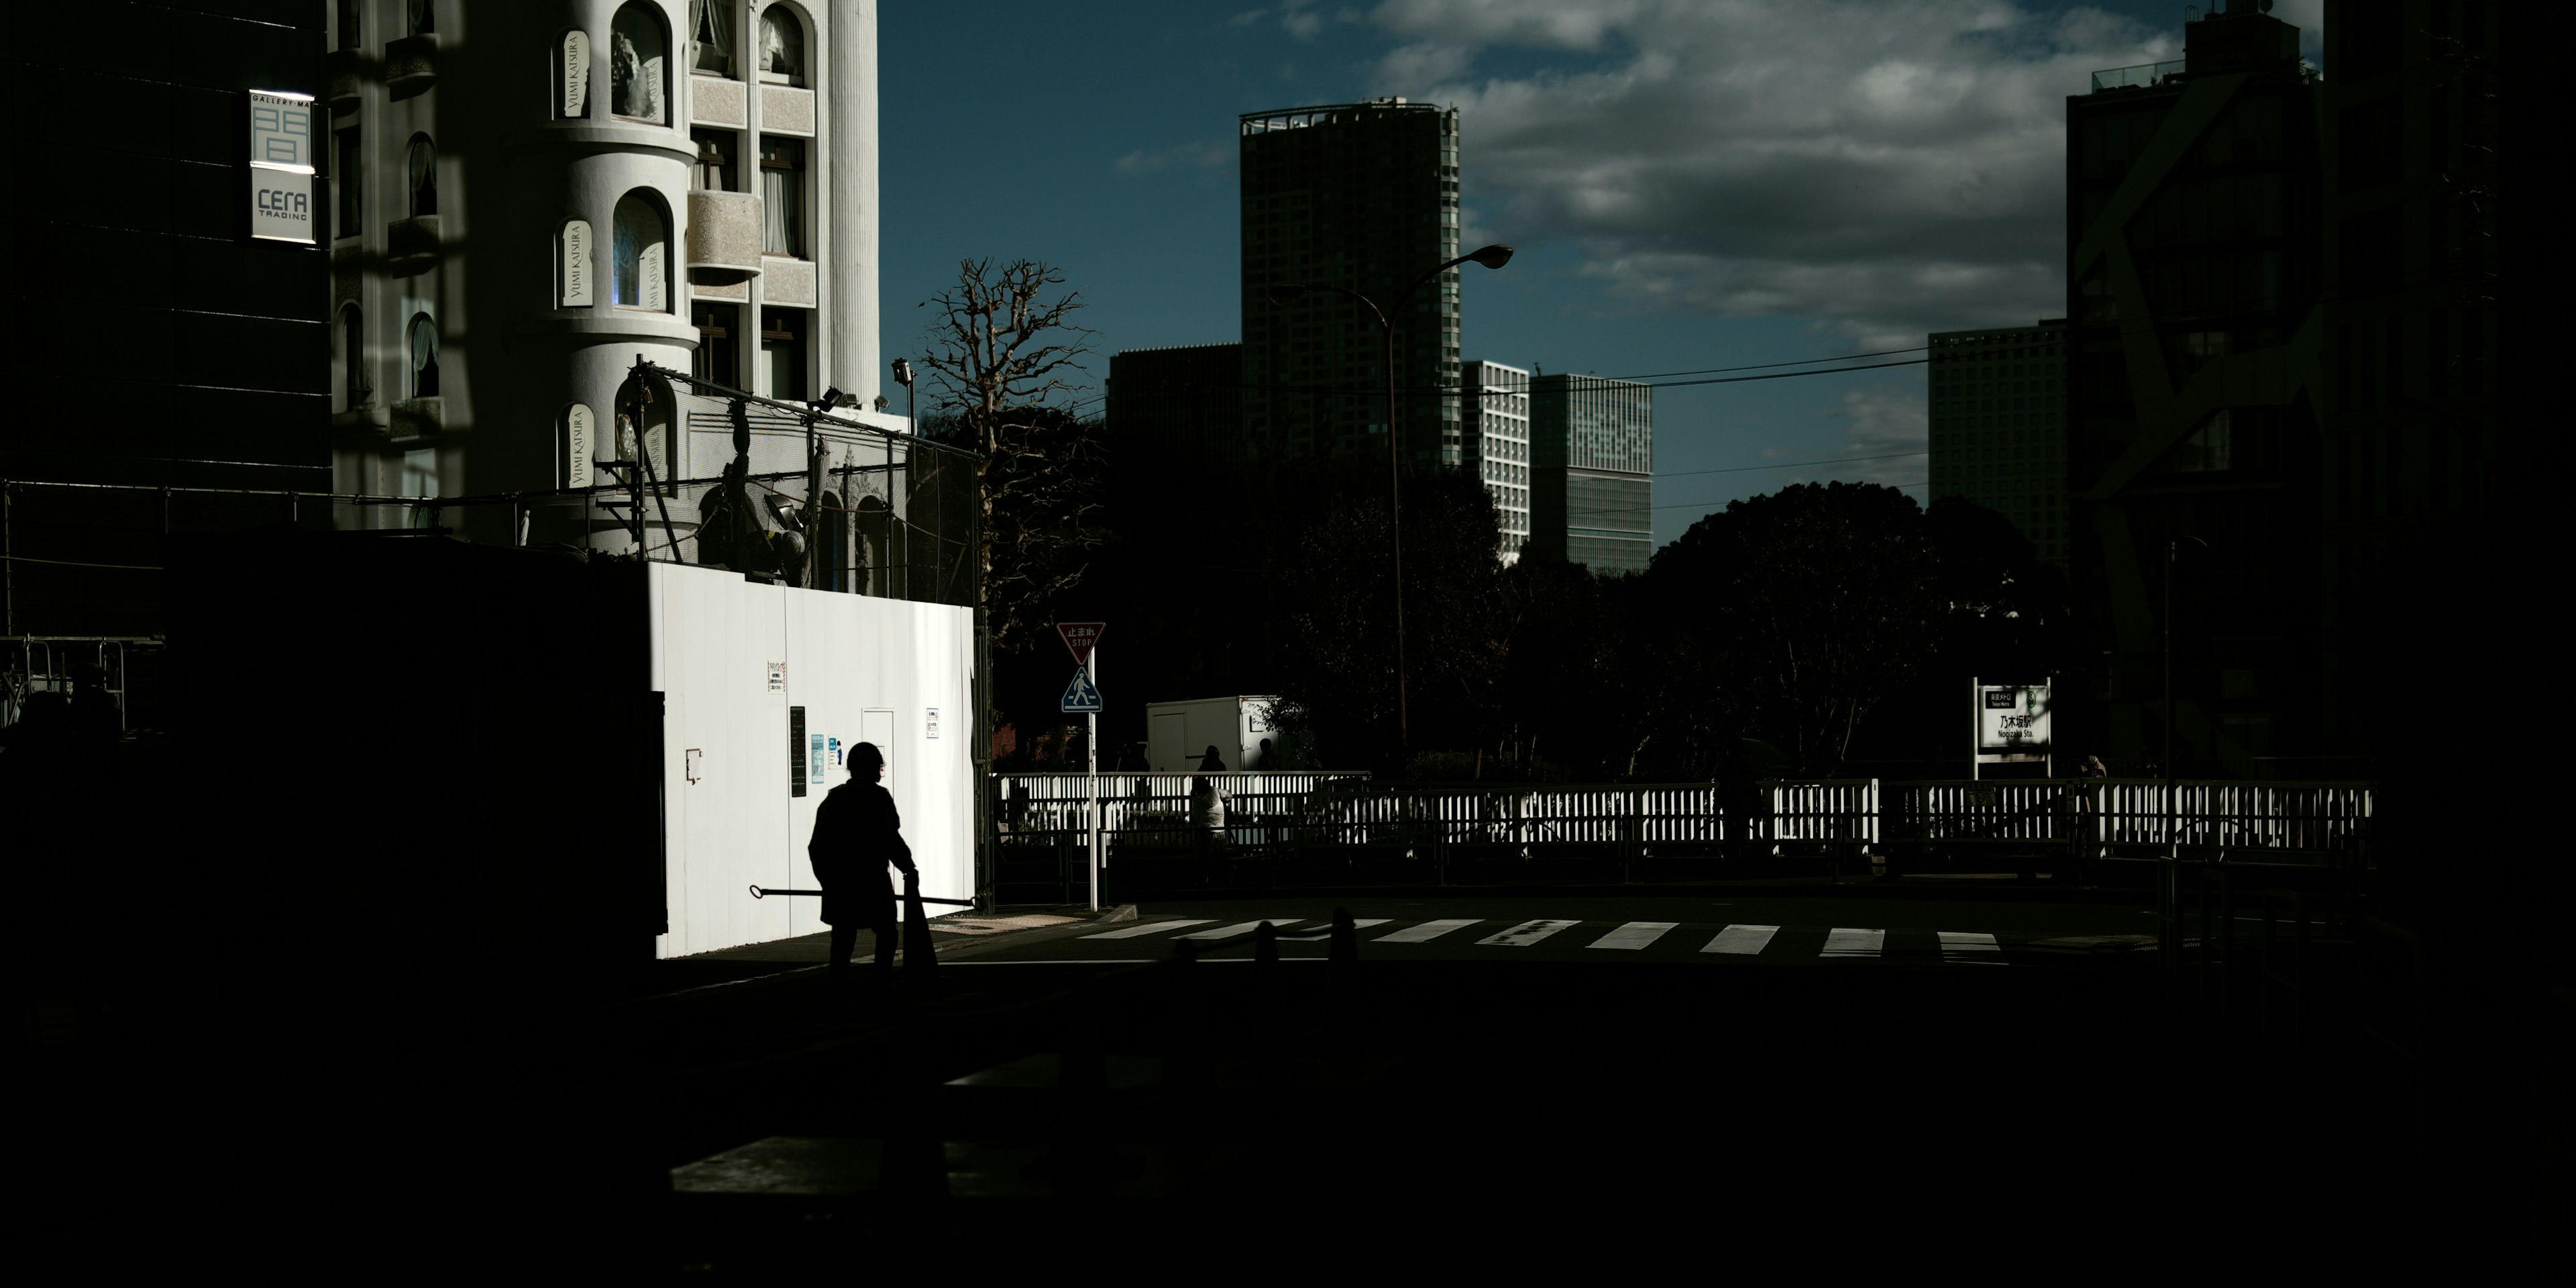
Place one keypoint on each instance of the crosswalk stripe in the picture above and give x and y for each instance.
(1745, 941)
(1971, 946)
(1526, 933)
(1149, 928)
(1636, 934)
(1427, 931)
(1312, 934)
(1844, 942)
(1238, 928)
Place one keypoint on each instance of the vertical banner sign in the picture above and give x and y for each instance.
(572, 274)
(280, 165)
(580, 447)
(576, 75)
(795, 751)
(651, 279)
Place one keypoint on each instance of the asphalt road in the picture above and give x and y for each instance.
(1705, 931)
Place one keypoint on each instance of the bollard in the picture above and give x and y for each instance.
(920, 955)
(1189, 1067)
(914, 1165)
(1346, 939)
(1086, 1159)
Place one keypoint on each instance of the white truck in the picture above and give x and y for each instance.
(1178, 733)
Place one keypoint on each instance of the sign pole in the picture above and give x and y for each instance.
(1082, 639)
(1091, 748)
(1976, 729)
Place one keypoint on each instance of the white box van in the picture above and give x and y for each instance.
(1178, 733)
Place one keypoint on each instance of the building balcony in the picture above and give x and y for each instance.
(411, 65)
(418, 417)
(411, 245)
(724, 237)
(344, 77)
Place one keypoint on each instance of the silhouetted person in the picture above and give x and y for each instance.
(1269, 757)
(856, 835)
(95, 721)
(1207, 800)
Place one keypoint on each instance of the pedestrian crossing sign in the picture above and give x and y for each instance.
(1082, 695)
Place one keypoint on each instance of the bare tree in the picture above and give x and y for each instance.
(1003, 359)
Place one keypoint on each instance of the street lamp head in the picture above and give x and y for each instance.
(903, 371)
(1493, 256)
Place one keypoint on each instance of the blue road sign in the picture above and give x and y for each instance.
(1081, 695)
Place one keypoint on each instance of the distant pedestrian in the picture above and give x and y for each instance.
(1207, 799)
(1269, 759)
(856, 835)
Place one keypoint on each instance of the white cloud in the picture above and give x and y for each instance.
(1891, 167)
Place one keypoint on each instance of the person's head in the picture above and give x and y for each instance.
(867, 764)
(1210, 762)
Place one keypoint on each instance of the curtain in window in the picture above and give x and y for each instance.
(711, 25)
(782, 212)
(424, 177)
(424, 357)
(782, 43)
(424, 17)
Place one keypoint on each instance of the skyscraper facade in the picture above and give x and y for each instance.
(1362, 196)
(2192, 208)
(1497, 438)
(1592, 472)
(1998, 417)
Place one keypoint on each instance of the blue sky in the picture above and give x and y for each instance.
(1688, 185)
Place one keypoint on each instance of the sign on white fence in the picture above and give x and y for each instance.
(2012, 722)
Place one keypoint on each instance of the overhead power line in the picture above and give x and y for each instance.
(1762, 366)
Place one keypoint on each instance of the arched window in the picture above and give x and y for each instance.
(637, 88)
(424, 356)
(782, 45)
(831, 529)
(348, 23)
(353, 357)
(423, 16)
(424, 176)
(572, 75)
(642, 274)
(711, 27)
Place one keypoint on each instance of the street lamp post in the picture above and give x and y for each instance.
(1490, 257)
(2170, 897)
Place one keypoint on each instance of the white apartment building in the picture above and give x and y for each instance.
(525, 198)
(1497, 415)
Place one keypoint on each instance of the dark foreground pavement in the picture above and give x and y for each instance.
(1468, 1105)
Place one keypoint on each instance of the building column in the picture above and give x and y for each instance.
(850, 276)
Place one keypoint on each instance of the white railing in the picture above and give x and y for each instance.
(1348, 808)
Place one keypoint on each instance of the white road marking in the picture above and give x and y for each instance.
(1845, 942)
(1744, 941)
(1426, 932)
(1149, 928)
(1238, 928)
(1971, 946)
(1314, 934)
(1636, 934)
(1526, 933)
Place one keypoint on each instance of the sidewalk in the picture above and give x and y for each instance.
(951, 933)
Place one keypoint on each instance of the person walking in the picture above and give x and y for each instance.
(856, 835)
(1208, 802)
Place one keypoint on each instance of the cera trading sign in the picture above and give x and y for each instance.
(279, 165)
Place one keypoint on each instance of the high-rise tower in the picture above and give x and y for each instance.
(1362, 196)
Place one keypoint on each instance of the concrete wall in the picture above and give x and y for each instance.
(863, 669)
